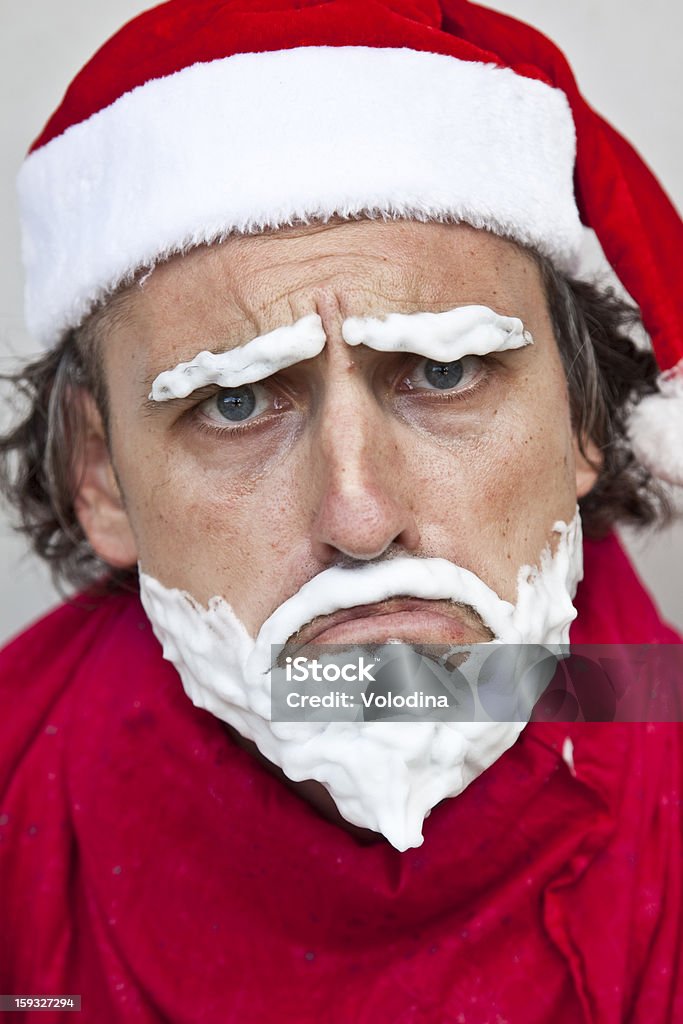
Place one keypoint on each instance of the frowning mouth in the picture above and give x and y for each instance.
(407, 619)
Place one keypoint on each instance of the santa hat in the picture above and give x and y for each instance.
(205, 117)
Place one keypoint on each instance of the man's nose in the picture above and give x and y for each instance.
(364, 504)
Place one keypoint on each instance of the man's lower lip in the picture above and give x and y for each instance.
(407, 626)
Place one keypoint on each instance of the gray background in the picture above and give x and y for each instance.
(627, 59)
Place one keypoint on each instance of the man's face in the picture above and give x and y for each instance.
(352, 455)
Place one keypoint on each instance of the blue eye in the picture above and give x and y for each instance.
(236, 404)
(443, 375)
(457, 375)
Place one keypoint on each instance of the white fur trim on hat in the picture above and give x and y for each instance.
(262, 140)
(656, 428)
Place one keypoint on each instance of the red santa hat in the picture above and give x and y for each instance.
(201, 118)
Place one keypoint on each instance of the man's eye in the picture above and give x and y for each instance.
(236, 405)
(432, 374)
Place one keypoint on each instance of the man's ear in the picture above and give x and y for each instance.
(588, 460)
(98, 504)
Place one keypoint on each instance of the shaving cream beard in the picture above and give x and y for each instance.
(385, 776)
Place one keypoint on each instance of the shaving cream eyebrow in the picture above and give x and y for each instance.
(446, 337)
(246, 364)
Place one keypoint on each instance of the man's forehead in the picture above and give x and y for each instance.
(257, 270)
(219, 298)
(222, 296)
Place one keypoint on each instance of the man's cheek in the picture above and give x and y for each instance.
(496, 499)
(197, 531)
(483, 472)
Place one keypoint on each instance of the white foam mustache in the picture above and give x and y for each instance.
(529, 620)
(385, 776)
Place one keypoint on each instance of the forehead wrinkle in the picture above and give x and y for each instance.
(346, 272)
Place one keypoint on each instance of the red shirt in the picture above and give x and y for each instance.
(153, 867)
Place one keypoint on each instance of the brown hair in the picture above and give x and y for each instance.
(606, 373)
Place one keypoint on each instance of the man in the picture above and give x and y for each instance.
(317, 372)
